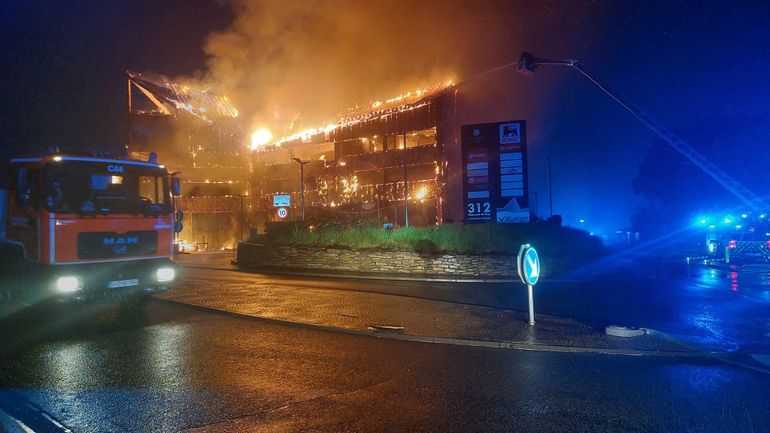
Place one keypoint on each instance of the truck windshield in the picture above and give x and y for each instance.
(102, 187)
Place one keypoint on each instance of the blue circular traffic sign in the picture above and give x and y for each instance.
(528, 265)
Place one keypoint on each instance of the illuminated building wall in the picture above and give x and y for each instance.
(357, 165)
(356, 170)
(197, 136)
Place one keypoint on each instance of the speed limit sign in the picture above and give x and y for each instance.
(282, 212)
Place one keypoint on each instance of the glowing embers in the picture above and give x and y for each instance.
(421, 193)
(405, 102)
(411, 95)
(349, 188)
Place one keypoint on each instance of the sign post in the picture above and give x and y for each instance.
(528, 267)
(281, 203)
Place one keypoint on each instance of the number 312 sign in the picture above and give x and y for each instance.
(478, 211)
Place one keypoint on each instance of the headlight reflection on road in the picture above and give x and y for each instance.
(167, 354)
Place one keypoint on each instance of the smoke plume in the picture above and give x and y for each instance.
(301, 63)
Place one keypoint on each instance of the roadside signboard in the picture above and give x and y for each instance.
(495, 185)
(282, 212)
(528, 265)
(281, 200)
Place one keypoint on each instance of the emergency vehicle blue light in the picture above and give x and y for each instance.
(761, 215)
(744, 215)
(702, 221)
(728, 219)
(738, 226)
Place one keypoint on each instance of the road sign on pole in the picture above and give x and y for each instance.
(282, 212)
(528, 266)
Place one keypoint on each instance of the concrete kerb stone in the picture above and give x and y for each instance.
(507, 345)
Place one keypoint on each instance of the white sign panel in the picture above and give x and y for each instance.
(281, 200)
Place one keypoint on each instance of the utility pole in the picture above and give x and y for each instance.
(406, 189)
(240, 223)
(130, 110)
(528, 63)
(550, 190)
(301, 184)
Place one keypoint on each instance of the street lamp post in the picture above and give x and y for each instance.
(528, 63)
(550, 190)
(301, 185)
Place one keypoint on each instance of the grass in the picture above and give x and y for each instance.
(550, 239)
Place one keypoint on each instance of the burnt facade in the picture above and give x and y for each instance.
(197, 136)
(383, 166)
(409, 155)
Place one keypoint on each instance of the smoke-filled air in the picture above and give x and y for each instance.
(291, 65)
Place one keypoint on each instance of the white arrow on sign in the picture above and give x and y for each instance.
(533, 266)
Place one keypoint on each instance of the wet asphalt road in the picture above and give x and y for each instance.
(180, 369)
(174, 368)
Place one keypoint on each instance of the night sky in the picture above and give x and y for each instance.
(700, 68)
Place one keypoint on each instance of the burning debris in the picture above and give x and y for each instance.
(410, 100)
(169, 97)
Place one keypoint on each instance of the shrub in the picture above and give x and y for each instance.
(549, 238)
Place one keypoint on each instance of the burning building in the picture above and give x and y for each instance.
(196, 134)
(418, 159)
(439, 154)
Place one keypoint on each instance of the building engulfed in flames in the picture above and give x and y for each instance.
(384, 164)
(197, 135)
(395, 161)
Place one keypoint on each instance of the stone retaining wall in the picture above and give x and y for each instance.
(302, 257)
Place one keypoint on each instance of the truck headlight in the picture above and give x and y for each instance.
(165, 274)
(68, 284)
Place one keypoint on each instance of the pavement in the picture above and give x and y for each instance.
(174, 367)
(180, 369)
(401, 317)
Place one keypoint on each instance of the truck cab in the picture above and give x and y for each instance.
(85, 227)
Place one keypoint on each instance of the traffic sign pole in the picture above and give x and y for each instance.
(528, 267)
(531, 292)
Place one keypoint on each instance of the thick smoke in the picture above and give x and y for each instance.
(302, 63)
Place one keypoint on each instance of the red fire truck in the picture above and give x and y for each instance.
(84, 227)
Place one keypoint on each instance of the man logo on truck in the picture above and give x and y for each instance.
(121, 240)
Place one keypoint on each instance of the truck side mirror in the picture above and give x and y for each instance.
(176, 187)
(23, 196)
(179, 215)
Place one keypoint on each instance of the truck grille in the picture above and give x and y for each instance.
(99, 245)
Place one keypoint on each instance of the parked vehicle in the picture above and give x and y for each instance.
(84, 227)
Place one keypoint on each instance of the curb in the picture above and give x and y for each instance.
(278, 271)
(509, 345)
